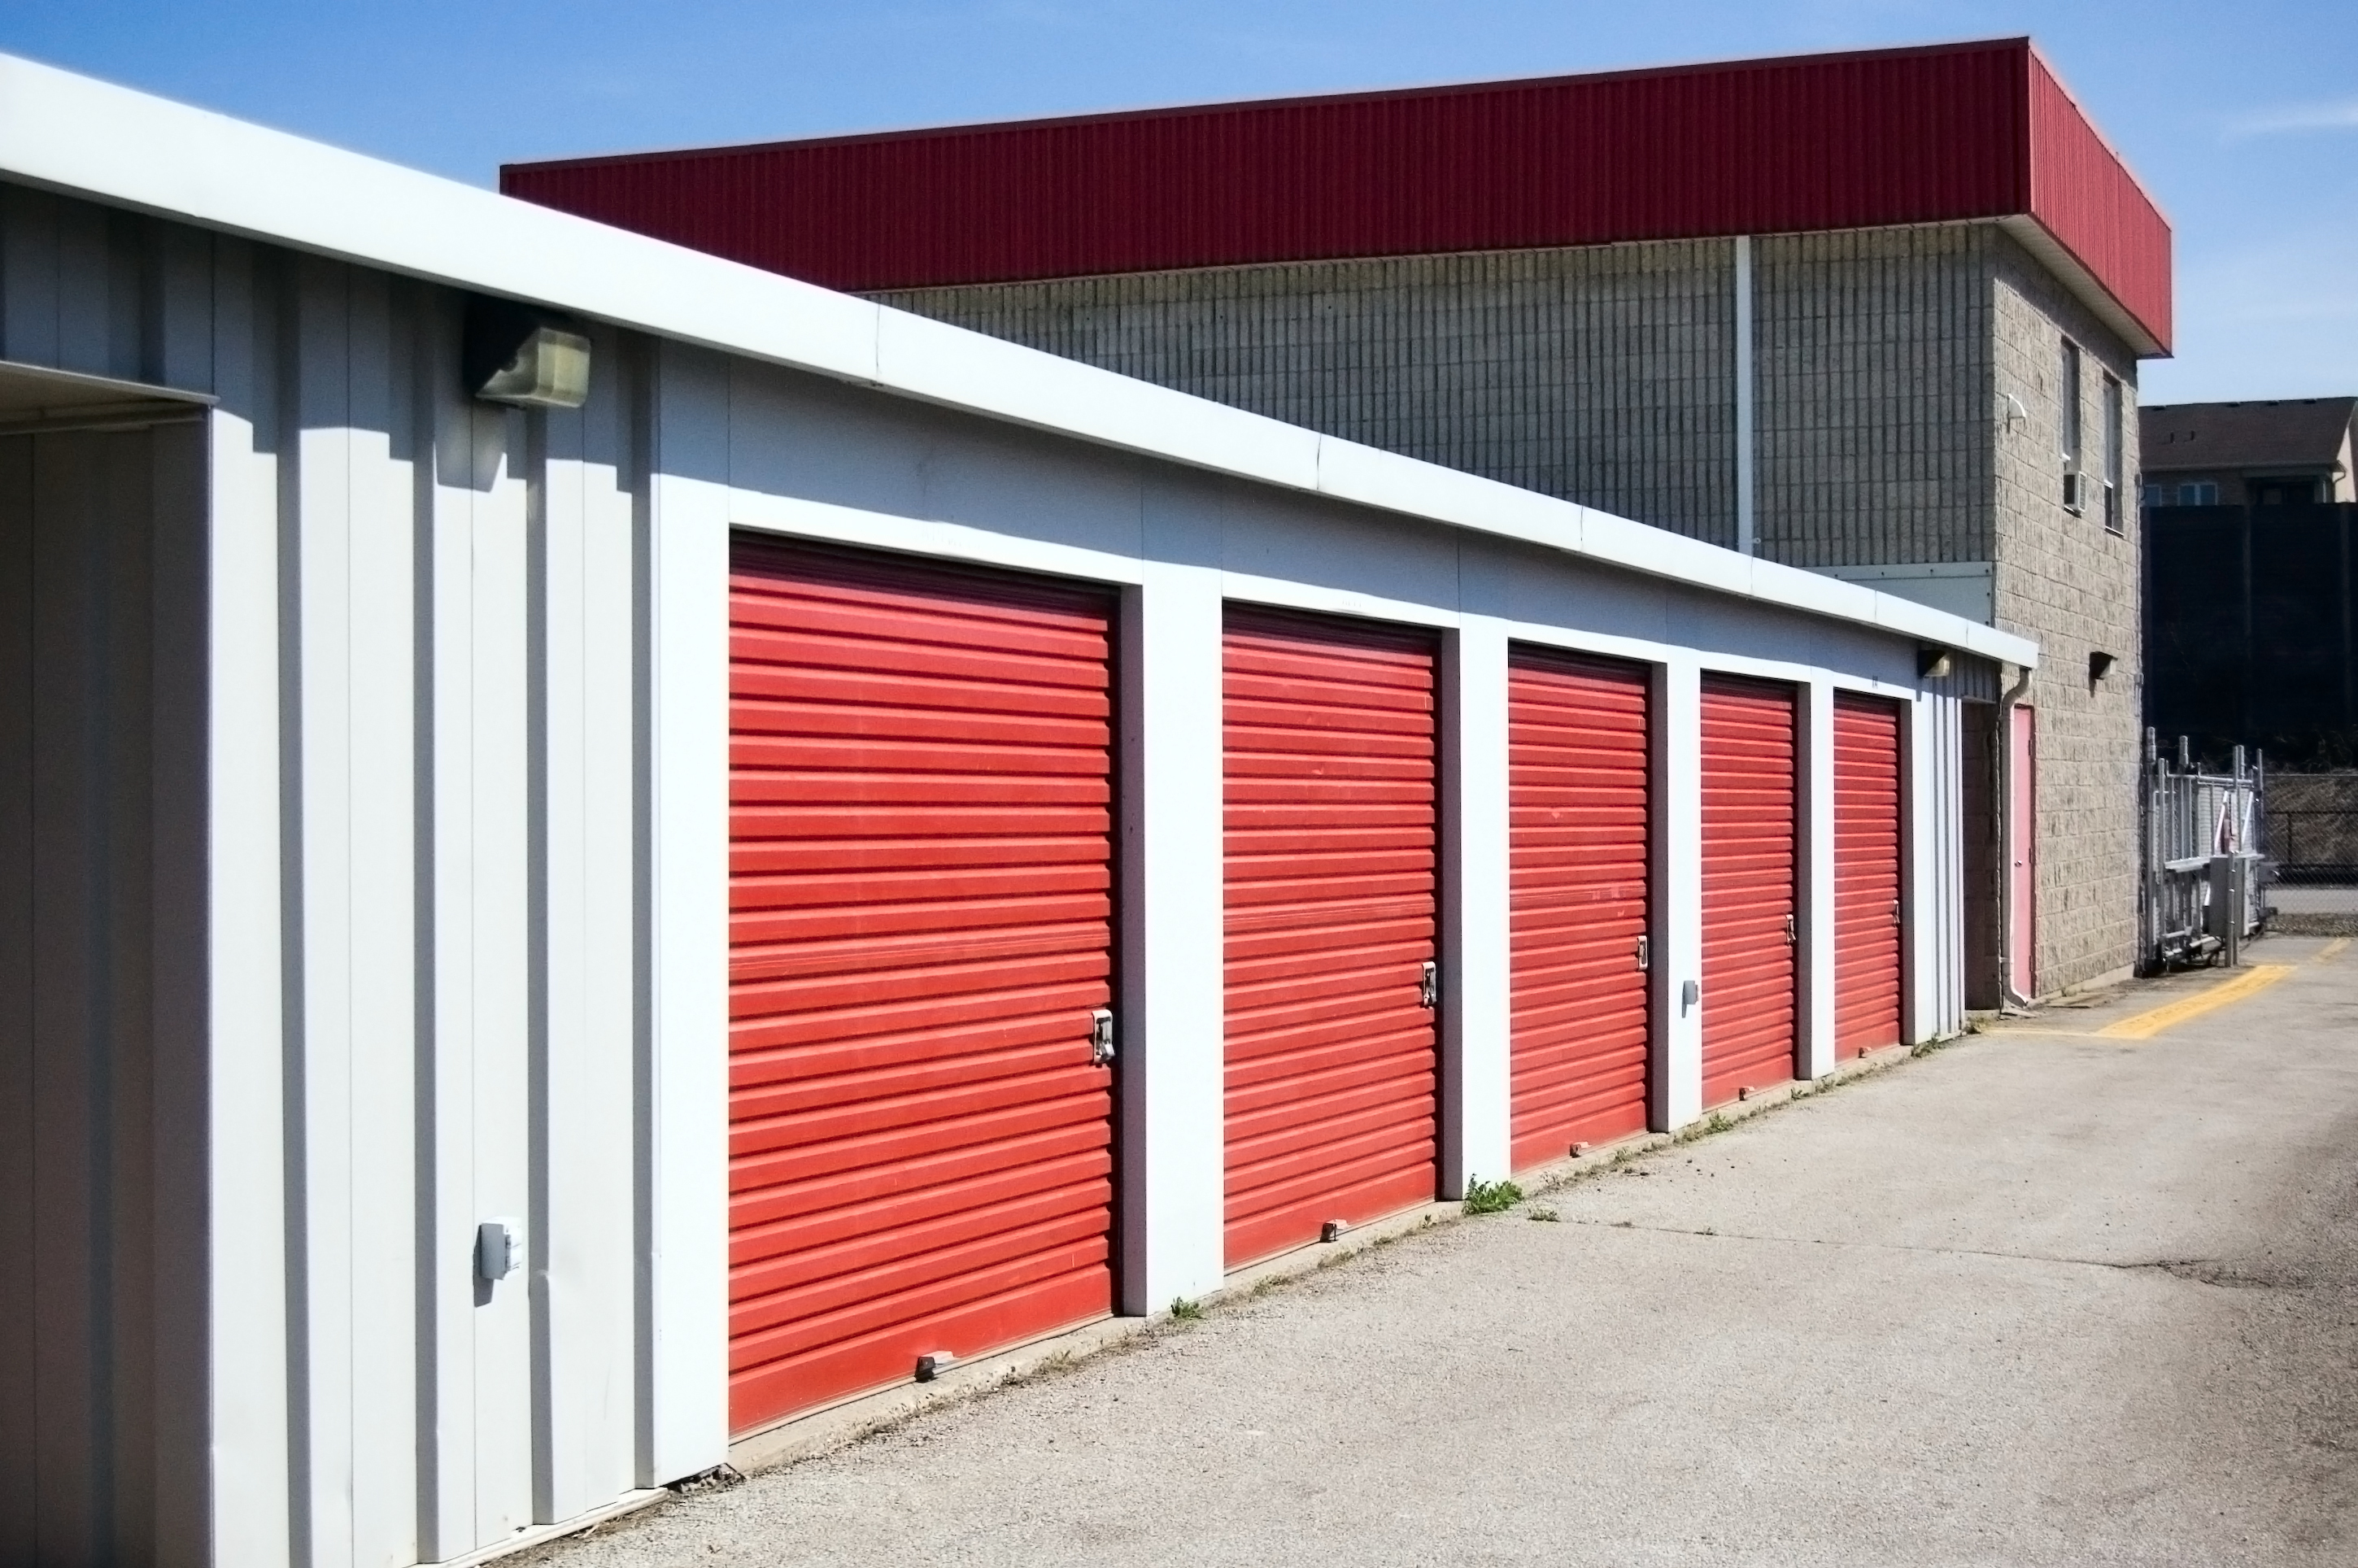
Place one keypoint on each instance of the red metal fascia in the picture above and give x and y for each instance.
(1749, 148)
(1950, 133)
(2082, 194)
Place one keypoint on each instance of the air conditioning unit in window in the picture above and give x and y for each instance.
(2075, 492)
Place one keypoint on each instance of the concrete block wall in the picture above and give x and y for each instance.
(2067, 582)
(1871, 362)
(1604, 375)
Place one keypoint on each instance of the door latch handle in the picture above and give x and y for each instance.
(1793, 932)
(1101, 1037)
(1645, 953)
(1428, 985)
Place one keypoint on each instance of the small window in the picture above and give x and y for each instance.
(2068, 431)
(2199, 493)
(2114, 519)
(2154, 495)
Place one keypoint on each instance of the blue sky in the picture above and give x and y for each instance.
(2242, 118)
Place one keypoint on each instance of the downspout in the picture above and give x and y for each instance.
(2007, 997)
(1747, 533)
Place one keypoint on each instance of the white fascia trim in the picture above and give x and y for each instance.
(793, 517)
(74, 135)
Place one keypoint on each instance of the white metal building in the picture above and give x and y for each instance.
(431, 830)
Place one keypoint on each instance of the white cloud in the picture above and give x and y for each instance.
(2342, 116)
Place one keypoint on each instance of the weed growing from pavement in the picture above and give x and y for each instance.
(1543, 1213)
(1715, 1122)
(1185, 1311)
(1490, 1197)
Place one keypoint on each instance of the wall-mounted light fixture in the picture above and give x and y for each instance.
(2099, 666)
(1932, 664)
(525, 356)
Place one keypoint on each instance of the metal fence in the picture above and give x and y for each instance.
(2206, 869)
(2316, 846)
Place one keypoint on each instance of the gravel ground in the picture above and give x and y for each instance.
(2042, 1297)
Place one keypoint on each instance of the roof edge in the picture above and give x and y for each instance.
(2033, 235)
(77, 135)
(1296, 101)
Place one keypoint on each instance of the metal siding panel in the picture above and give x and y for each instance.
(921, 894)
(683, 1106)
(1579, 745)
(28, 276)
(321, 1191)
(70, 1314)
(248, 1368)
(1750, 866)
(178, 1439)
(382, 1133)
(1868, 857)
(585, 1211)
(499, 928)
(1331, 1070)
(447, 1188)
(1170, 1085)
(19, 1071)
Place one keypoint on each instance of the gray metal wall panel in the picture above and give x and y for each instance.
(454, 972)
(19, 1061)
(430, 702)
(103, 806)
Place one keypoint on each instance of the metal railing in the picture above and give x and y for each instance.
(2205, 851)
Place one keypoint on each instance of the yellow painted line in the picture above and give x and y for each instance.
(2146, 1025)
(2330, 951)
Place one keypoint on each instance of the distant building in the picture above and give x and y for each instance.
(2251, 603)
(1877, 315)
(2292, 452)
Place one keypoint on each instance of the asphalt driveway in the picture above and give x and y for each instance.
(2045, 1296)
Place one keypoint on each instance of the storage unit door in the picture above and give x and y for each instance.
(1331, 1069)
(1748, 904)
(920, 929)
(1577, 782)
(1867, 873)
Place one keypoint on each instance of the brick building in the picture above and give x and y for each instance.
(1877, 315)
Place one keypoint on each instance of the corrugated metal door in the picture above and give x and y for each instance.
(1867, 873)
(1578, 801)
(1332, 1076)
(920, 929)
(1748, 904)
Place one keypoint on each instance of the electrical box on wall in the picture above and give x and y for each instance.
(499, 1248)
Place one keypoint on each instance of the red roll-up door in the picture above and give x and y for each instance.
(920, 928)
(1748, 904)
(1867, 873)
(1577, 784)
(1332, 1075)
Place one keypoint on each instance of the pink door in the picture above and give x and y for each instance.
(2022, 850)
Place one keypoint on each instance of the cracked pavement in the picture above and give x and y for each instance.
(2041, 1297)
